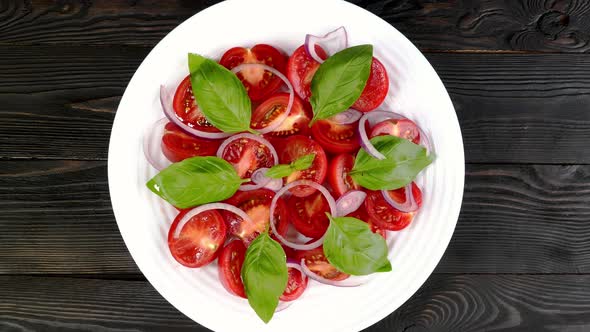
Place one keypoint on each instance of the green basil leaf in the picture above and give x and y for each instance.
(303, 163)
(339, 81)
(353, 248)
(264, 273)
(195, 181)
(403, 161)
(220, 95)
(283, 170)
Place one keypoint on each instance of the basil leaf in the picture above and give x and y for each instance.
(220, 95)
(264, 273)
(404, 160)
(282, 170)
(339, 81)
(195, 181)
(353, 248)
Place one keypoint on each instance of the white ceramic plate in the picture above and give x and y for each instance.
(415, 91)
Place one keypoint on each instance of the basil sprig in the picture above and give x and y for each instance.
(339, 81)
(220, 95)
(265, 275)
(403, 161)
(353, 248)
(282, 170)
(195, 181)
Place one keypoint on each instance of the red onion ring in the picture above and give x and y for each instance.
(274, 184)
(352, 281)
(298, 246)
(338, 37)
(258, 179)
(152, 145)
(278, 121)
(409, 205)
(256, 138)
(347, 117)
(374, 117)
(350, 202)
(166, 98)
(206, 207)
(282, 306)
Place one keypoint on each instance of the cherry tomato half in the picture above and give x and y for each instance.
(187, 110)
(199, 240)
(247, 155)
(297, 146)
(301, 68)
(178, 145)
(338, 176)
(386, 216)
(296, 123)
(258, 82)
(336, 138)
(296, 285)
(376, 89)
(404, 128)
(309, 214)
(317, 262)
(230, 262)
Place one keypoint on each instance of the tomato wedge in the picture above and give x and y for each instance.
(297, 146)
(404, 128)
(338, 176)
(258, 82)
(230, 262)
(199, 240)
(386, 216)
(336, 138)
(266, 113)
(178, 145)
(256, 203)
(309, 214)
(247, 155)
(187, 110)
(301, 68)
(317, 262)
(296, 285)
(376, 89)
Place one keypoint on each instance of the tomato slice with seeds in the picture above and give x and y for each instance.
(309, 214)
(187, 110)
(178, 145)
(386, 216)
(258, 82)
(301, 68)
(317, 262)
(296, 122)
(296, 285)
(230, 263)
(376, 89)
(336, 138)
(361, 214)
(338, 177)
(199, 240)
(256, 203)
(404, 128)
(297, 146)
(247, 155)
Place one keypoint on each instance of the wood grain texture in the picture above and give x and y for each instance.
(535, 25)
(59, 102)
(57, 219)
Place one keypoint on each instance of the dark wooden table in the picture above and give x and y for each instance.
(518, 73)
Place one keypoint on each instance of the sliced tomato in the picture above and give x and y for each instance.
(187, 110)
(247, 155)
(297, 146)
(376, 89)
(317, 262)
(336, 138)
(268, 112)
(404, 128)
(386, 216)
(309, 214)
(258, 82)
(256, 203)
(230, 262)
(362, 214)
(296, 285)
(301, 68)
(338, 176)
(199, 240)
(178, 145)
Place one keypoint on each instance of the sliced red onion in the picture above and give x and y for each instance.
(352, 281)
(207, 207)
(256, 138)
(152, 145)
(282, 306)
(258, 179)
(409, 205)
(274, 184)
(347, 117)
(299, 246)
(374, 117)
(278, 121)
(332, 42)
(166, 98)
(425, 141)
(350, 202)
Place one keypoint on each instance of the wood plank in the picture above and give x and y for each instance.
(536, 25)
(535, 104)
(57, 219)
(445, 303)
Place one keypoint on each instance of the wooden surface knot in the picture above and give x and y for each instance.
(553, 23)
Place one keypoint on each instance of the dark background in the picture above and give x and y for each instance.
(518, 73)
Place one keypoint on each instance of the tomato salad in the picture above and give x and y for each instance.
(283, 167)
